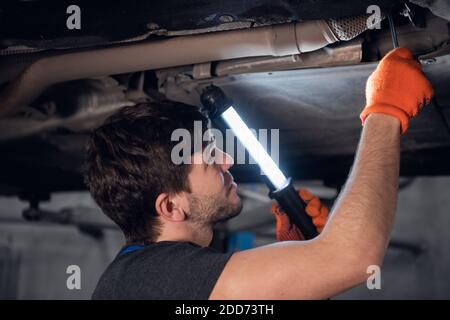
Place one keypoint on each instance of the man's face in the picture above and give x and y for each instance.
(213, 195)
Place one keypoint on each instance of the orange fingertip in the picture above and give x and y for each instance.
(324, 211)
(315, 202)
(312, 210)
(319, 221)
(306, 195)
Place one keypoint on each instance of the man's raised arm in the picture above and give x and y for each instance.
(360, 223)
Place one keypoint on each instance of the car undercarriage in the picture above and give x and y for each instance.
(295, 66)
(58, 84)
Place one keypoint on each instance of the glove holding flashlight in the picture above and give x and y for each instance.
(285, 230)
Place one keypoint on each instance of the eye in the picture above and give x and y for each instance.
(209, 154)
(212, 154)
(209, 151)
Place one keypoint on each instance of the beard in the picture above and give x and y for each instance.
(208, 210)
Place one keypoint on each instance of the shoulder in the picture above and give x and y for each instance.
(147, 273)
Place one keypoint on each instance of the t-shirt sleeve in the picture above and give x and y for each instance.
(204, 267)
(166, 270)
(181, 271)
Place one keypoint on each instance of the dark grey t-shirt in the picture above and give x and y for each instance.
(163, 270)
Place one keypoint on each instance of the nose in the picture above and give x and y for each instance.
(225, 160)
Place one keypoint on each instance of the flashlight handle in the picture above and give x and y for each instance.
(294, 206)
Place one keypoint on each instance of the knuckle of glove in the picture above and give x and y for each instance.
(400, 53)
(313, 207)
(312, 211)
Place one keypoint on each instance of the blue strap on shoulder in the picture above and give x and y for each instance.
(131, 248)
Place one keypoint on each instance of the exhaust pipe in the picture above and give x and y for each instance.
(276, 40)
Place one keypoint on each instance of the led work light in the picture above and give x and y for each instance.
(216, 104)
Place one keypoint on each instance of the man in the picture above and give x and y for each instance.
(167, 211)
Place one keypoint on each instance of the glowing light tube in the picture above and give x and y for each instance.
(254, 148)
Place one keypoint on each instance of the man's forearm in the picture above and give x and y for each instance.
(362, 217)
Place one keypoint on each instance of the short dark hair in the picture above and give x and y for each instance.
(129, 164)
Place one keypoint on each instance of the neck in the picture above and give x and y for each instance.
(184, 233)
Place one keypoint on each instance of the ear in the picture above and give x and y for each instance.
(170, 207)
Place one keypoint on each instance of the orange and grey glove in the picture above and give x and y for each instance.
(314, 208)
(397, 88)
